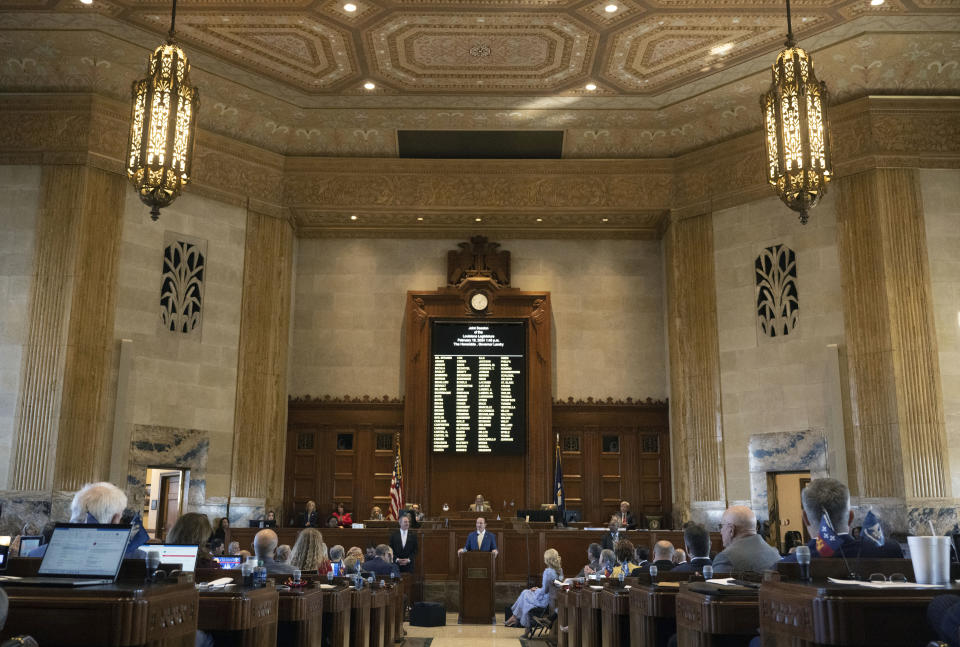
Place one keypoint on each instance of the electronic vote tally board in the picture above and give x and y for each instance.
(478, 386)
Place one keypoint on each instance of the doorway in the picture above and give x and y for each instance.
(785, 506)
(166, 494)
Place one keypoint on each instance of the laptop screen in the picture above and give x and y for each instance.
(184, 556)
(29, 543)
(85, 550)
(229, 562)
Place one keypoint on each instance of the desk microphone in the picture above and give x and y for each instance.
(803, 559)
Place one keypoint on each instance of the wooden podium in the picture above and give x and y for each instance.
(477, 575)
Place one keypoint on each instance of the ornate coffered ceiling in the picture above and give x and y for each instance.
(672, 75)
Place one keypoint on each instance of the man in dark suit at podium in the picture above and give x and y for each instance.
(480, 539)
(404, 545)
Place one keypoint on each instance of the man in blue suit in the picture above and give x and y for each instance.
(480, 539)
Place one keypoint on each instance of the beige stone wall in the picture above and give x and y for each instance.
(20, 197)
(941, 203)
(607, 305)
(785, 383)
(176, 381)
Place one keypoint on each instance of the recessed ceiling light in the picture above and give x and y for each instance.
(606, 219)
(419, 217)
(720, 50)
(591, 86)
(86, 1)
(876, 3)
(349, 7)
(353, 217)
(369, 85)
(539, 219)
(479, 219)
(610, 8)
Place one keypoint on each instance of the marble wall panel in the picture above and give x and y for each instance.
(797, 451)
(788, 383)
(158, 446)
(607, 299)
(20, 195)
(179, 382)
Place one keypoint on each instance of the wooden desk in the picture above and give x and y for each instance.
(590, 621)
(300, 617)
(653, 614)
(336, 616)
(243, 618)
(360, 602)
(568, 616)
(800, 614)
(704, 620)
(120, 614)
(615, 617)
(379, 607)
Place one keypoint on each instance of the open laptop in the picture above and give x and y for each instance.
(184, 556)
(80, 554)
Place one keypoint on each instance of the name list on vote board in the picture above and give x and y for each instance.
(475, 394)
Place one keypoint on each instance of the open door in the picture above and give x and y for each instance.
(785, 506)
(169, 508)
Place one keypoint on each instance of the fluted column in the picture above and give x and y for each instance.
(61, 437)
(259, 437)
(894, 372)
(696, 426)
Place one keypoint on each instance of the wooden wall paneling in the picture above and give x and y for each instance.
(433, 479)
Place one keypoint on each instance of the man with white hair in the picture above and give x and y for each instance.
(743, 548)
(99, 503)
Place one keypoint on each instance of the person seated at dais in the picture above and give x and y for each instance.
(311, 517)
(344, 520)
(479, 505)
(417, 513)
(627, 520)
(831, 497)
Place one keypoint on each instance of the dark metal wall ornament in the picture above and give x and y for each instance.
(181, 289)
(778, 305)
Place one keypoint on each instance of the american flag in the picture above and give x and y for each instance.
(396, 488)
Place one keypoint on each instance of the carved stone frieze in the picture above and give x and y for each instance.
(346, 399)
(599, 402)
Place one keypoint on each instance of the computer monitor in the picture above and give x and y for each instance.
(28, 543)
(184, 556)
(229, 561)
(262, 523)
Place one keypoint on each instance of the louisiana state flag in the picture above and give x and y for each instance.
(827, 540)
(559, 498)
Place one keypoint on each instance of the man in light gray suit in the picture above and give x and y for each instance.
(743, 548)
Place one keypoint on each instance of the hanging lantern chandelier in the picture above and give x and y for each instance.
(162, 126)
(795, 129)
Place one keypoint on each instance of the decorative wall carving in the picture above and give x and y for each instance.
(181, 290)
(778, 304)
(478, 258)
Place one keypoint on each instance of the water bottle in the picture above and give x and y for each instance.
(261, 574)
(297, 576)
(246, 571)
(622, 576)
(330, 576)
(653, 573)
(708, 572)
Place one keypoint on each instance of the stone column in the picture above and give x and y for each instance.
(61, 436)
(898, 432)
(259, 437)
(696, 426)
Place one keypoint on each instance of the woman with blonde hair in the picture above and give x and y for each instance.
(310, 553)
(537, 596)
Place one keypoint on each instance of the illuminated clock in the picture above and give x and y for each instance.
(479, 301)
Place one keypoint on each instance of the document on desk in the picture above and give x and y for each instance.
(722, 581)
(886, 585)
